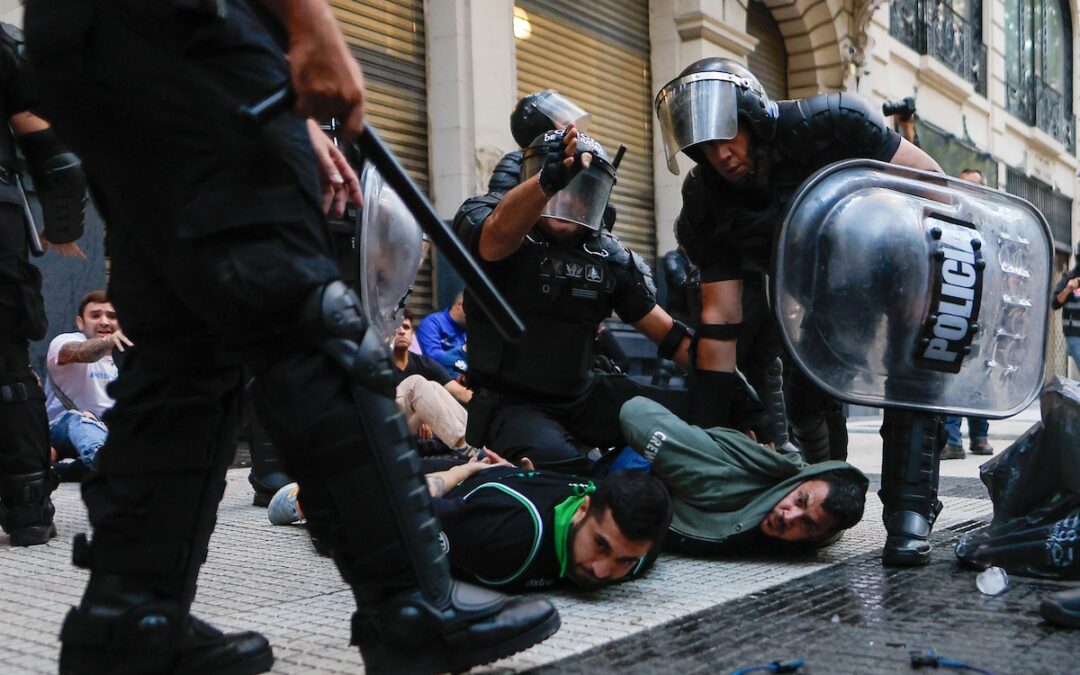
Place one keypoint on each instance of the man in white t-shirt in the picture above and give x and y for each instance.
(80, 366)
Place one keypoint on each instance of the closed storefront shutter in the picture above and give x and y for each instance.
(597, 54)
(387, 38)
(769, 59)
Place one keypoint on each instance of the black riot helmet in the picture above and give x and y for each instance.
(544, 111)
(706, 102)
(585, 198)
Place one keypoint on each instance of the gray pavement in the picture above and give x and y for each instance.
(269, 578)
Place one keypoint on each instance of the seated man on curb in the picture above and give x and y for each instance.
(429, 398)
(730, 493)
(80, 366)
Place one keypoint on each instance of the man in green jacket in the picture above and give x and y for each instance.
(731, 493)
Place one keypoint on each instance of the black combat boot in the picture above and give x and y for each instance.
(123, 627)
(1062, 608)
(267, 474)
(911, 451)
(26, 510)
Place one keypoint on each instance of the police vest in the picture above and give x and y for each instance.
(562, 294)
(1070, 316)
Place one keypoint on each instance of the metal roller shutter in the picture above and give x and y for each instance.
(387, 38)
(769, 59)
(597, 54)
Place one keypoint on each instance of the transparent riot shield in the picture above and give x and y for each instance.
(902, 288)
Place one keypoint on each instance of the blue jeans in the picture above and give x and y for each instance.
(1073, 344)
(76, 435)
(978, 429)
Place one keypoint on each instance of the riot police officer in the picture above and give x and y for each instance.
(751, 154)
(544, 246)
(215, 234)
(26, 511)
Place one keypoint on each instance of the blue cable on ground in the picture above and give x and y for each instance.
(774, 667)
(929, 659)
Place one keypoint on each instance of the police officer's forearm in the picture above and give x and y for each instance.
(90, 351)
(506, 227)
(302, 15)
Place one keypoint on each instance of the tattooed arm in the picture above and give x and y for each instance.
(92, 350)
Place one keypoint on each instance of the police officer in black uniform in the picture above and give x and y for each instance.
(228, 225)
(544, 247)
(26, 511)
(751, 154)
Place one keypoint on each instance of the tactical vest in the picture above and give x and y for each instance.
(1070, 316)
(561, 294)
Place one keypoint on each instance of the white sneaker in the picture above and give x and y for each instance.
(284, 508)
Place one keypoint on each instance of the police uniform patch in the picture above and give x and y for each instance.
(594, 274)
(575, 270)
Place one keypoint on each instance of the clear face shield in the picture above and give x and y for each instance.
(561, 110)
(584, 199)
(390, 248)
(697, 108)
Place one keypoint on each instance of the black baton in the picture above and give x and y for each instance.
(487, 296)
(36, 249)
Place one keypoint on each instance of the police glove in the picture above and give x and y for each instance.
(555, 175)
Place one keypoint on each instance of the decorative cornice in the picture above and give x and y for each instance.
(701, 26)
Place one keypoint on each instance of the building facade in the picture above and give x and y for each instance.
(993, 82)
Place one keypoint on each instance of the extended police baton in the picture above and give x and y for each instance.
(371, 146)
(28, 217)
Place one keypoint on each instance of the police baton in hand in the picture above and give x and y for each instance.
(375, 151)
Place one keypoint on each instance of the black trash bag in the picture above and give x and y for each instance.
(1035, 487)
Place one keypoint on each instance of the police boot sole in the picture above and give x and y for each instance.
(262, 499)
(92, 662)
(905, 557)
(446, 656)
(1055, 613)
(32, 536)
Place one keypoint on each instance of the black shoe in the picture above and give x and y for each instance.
(1062, 609)
(71, 470)
(908, 541)
(26, 511)
(406, 634)
(267, 486)
(149, 646)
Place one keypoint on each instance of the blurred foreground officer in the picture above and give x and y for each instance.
(215, 234)
(751, 155)
(26, 511)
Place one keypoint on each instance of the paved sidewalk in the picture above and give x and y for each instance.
(268, 578)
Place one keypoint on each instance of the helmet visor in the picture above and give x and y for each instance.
(390, 249)
(694, 109)
(584, 199)
(561, 110)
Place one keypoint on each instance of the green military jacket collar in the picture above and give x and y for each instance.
(722, 483)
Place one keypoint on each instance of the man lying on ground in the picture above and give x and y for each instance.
(516, 528)
(730, 493)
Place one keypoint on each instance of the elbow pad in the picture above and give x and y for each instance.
(60, 183)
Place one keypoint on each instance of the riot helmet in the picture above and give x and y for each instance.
(585, 198)
(544, 111)
(706, 102)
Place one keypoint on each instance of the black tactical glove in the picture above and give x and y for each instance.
(555, 175)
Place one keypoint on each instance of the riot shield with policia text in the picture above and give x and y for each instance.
(901, 288)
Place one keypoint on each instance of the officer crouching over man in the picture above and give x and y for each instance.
(543, 245)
